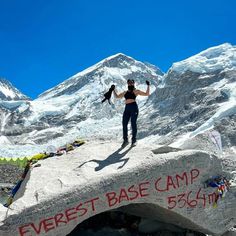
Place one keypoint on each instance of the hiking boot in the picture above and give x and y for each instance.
(134, 143)
(125, 143)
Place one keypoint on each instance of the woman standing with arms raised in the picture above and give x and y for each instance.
(131, 109)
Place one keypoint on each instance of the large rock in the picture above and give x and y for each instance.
(166, 186)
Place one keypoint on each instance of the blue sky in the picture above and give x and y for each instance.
(44, 42)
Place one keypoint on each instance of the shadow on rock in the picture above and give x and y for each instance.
(115, 157)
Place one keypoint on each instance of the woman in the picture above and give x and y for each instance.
(131, 109)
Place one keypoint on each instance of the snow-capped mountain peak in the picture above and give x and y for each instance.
(115, 69)
(8, 92)
(218, 58)
(79, 99)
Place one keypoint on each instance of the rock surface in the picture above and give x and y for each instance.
(99, 176)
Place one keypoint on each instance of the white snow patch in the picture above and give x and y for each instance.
(216, 58)
(181, 140)
(3, 141)
(7, 92)
(23, 107)
(56, 106)
(4, 118)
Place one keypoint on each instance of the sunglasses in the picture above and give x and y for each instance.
(130, 81)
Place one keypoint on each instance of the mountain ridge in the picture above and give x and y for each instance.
(119, 60)
(8, 92)
(179, 103)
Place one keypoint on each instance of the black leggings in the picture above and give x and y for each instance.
(131, 111)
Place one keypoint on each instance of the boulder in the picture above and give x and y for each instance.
(100, 176)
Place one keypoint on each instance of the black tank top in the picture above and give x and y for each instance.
(130, 95)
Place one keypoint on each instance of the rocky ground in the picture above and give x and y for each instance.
(10, 173)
